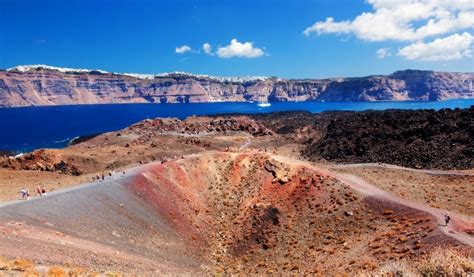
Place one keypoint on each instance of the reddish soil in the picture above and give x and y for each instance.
(238, 213)
(448, 190)
(228, 194)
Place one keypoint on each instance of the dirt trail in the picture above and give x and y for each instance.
(246, 144)
(116, 176)
(126, 230)
(391, 166)
(456, 229)
(102, 225)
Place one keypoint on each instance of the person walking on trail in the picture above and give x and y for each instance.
(25, 193)
(39, 191)
(447, 219)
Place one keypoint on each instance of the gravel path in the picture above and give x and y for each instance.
(391, 166)
(103, 225)
(105, 221)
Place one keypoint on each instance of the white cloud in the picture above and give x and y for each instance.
(183, 49)
(383, 52)
(442, 49)
(207, 48)
(402, 20)
(237, 49)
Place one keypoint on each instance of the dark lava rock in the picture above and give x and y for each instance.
(6, 153)
(441, 139)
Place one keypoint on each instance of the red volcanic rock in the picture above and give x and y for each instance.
(219, 212)
(41, 160)
(195, 125)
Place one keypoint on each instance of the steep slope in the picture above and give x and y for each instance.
(43, 85)
(220, 212)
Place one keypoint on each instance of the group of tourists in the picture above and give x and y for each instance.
(40, 190)
(25, 193)
(102, 177)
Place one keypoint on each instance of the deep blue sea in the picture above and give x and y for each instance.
(25, 129)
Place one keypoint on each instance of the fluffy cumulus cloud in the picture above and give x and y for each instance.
(383, 52)
(183, 49)
(453, 47)
(207, 48)
(402, 20)
(238, 49)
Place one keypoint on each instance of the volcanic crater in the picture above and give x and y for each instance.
(247, 212)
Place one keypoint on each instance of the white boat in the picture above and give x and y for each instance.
(264, 104)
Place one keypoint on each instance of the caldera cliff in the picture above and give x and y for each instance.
(44, 85)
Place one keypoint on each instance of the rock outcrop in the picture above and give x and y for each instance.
(42, 85)
(428, 139)
(197, 125)
(42, 160)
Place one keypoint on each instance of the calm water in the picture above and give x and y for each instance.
(24, 129)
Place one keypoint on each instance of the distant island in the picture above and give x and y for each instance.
(40, 85)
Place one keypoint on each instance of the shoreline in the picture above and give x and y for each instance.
(76, 117)
(253, 102)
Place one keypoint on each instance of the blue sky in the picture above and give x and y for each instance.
(289, 39)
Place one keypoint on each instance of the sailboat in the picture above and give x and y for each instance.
(263, 104)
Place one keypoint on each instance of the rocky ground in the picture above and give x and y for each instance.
(418, 139)
(248, 212)
(447, 190)
(240, 192)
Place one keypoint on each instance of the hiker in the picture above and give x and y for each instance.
(39, 191)
(447, 219)
(43, 190)
(25, 194)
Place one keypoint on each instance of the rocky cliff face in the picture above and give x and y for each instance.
(41, 85)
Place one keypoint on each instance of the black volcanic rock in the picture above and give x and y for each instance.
(418, 139)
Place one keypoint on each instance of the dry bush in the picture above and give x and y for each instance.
(4, 264)
(440, 262)
(112, 274)
(446, 262)
(391, 269)
(31, 273)
(56, 271)
(21, 265)
(76, 272)
(396, 268)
